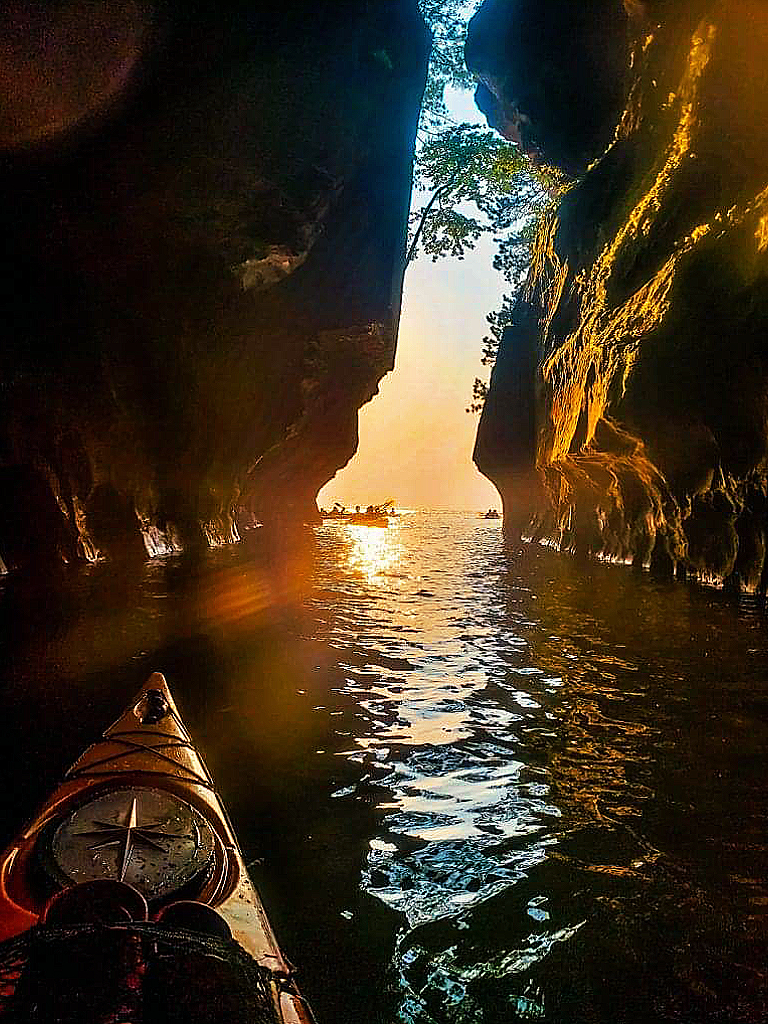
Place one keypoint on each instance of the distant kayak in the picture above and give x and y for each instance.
(364, 519)
(490, 514)
(357, 518)
(373, 515)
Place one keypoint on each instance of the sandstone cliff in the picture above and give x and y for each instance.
(628, 409)
(204, 218)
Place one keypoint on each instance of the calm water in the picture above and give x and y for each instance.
(472, 785)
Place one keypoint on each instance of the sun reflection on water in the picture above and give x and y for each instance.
(374, 551)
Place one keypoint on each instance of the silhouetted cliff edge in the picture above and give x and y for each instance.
(204, 221)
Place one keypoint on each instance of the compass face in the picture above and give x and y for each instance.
(148, 838)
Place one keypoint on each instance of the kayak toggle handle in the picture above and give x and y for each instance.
(152, 708)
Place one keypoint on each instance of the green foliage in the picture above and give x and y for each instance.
(473, 182)
(447, 20)
(497, 321)
(470, 176)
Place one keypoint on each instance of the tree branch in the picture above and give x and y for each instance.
(445, 187)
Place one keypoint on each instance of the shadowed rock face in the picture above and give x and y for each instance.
(204, 217)
(551, 74)
(628, 411)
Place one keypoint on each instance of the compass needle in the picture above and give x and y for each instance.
(159, 842)
(127, 851)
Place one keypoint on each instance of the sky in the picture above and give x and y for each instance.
(416, 438)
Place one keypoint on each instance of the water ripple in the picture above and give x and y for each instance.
(513, 744)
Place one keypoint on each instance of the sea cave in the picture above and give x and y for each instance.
(478, 765)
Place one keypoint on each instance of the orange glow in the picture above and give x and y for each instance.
(416, 438)
(234, 596)
(373, 551)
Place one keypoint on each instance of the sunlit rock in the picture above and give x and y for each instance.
(639, 345)
(204, 221)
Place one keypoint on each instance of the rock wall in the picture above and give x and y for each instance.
(204, 214)
(628, 409)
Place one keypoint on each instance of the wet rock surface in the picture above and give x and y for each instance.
(204, 216)
(627, 410)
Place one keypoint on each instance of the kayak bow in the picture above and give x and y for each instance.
(138, 812)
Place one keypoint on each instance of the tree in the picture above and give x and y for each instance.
(497, 321)
(447, 20)
(536, 195)
(465, 173)
(469, 177)
(470, 181)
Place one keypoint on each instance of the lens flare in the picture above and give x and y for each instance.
(235, 596)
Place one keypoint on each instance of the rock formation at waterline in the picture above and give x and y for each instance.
(628, 409)
(204, 219)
